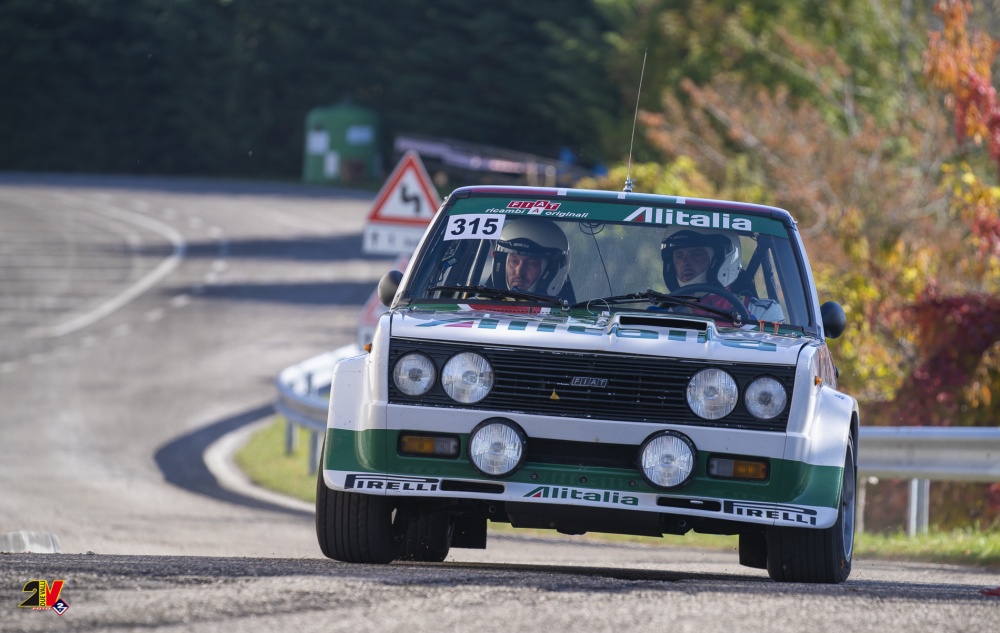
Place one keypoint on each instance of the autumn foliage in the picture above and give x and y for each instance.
(960, 322)
(895, 204)
(958, 62)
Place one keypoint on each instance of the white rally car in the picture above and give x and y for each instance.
(593, 361)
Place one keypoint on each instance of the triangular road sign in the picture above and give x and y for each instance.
(402, 210)
(408, 196)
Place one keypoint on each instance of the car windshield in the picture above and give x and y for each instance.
(728, 264)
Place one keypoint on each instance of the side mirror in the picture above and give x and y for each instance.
(834, 319)
(388, 285)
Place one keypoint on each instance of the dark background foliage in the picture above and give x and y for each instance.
(222, 87)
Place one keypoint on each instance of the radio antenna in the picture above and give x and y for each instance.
(629, 182)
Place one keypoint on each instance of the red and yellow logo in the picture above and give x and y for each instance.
(44, 596)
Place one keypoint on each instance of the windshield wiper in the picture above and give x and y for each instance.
(635, 297)
(499, 293)
(657, 299)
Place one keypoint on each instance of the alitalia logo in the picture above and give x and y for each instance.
(582, 494)
(652, 215)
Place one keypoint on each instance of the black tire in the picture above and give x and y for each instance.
(753, 549)
(354, 528)
(428, 537)
(817, 556)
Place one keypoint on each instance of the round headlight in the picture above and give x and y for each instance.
(467, 377)
(413, 374)
(765, 398)
(667, 459)
(496, 447)
(712, 394)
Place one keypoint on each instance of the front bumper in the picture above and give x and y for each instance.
(795, 494)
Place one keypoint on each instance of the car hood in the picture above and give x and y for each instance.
(633, 333)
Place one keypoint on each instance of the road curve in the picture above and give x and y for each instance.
(141, 319)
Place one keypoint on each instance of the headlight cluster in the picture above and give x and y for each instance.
(466, 378)
(414, 374)
(713, 393)
(667, 459)
(496, 447)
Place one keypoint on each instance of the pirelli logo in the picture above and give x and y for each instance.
(773, 511)
(383, 482)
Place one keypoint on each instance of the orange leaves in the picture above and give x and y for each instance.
(958, 63)
(975, 205)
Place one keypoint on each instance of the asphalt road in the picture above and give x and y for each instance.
(143, 319)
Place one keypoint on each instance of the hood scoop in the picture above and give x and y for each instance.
(630, 320)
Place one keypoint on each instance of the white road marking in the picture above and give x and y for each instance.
(165, 267)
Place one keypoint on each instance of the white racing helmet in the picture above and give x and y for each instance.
(535, 237)
(726, 261)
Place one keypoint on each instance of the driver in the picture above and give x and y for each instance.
(692, 257)
(532, 255)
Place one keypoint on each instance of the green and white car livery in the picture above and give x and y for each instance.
(608, 397)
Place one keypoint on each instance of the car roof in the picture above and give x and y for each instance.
(594, 195)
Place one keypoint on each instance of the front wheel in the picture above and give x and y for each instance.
(354, 528)
(820, 556)
(428, 537)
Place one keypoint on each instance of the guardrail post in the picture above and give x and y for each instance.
(919, 510)
(315, 450)
(859, 507)
(291, 437)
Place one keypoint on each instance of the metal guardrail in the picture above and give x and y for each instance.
(304, 401)
(920, 454)
(935, 453)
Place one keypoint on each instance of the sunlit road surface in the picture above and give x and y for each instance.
(141, 319)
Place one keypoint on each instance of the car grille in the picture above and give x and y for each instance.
(581, 454)
(637, 388)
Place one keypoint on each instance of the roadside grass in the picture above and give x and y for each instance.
(264, 461)
(963, 546)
